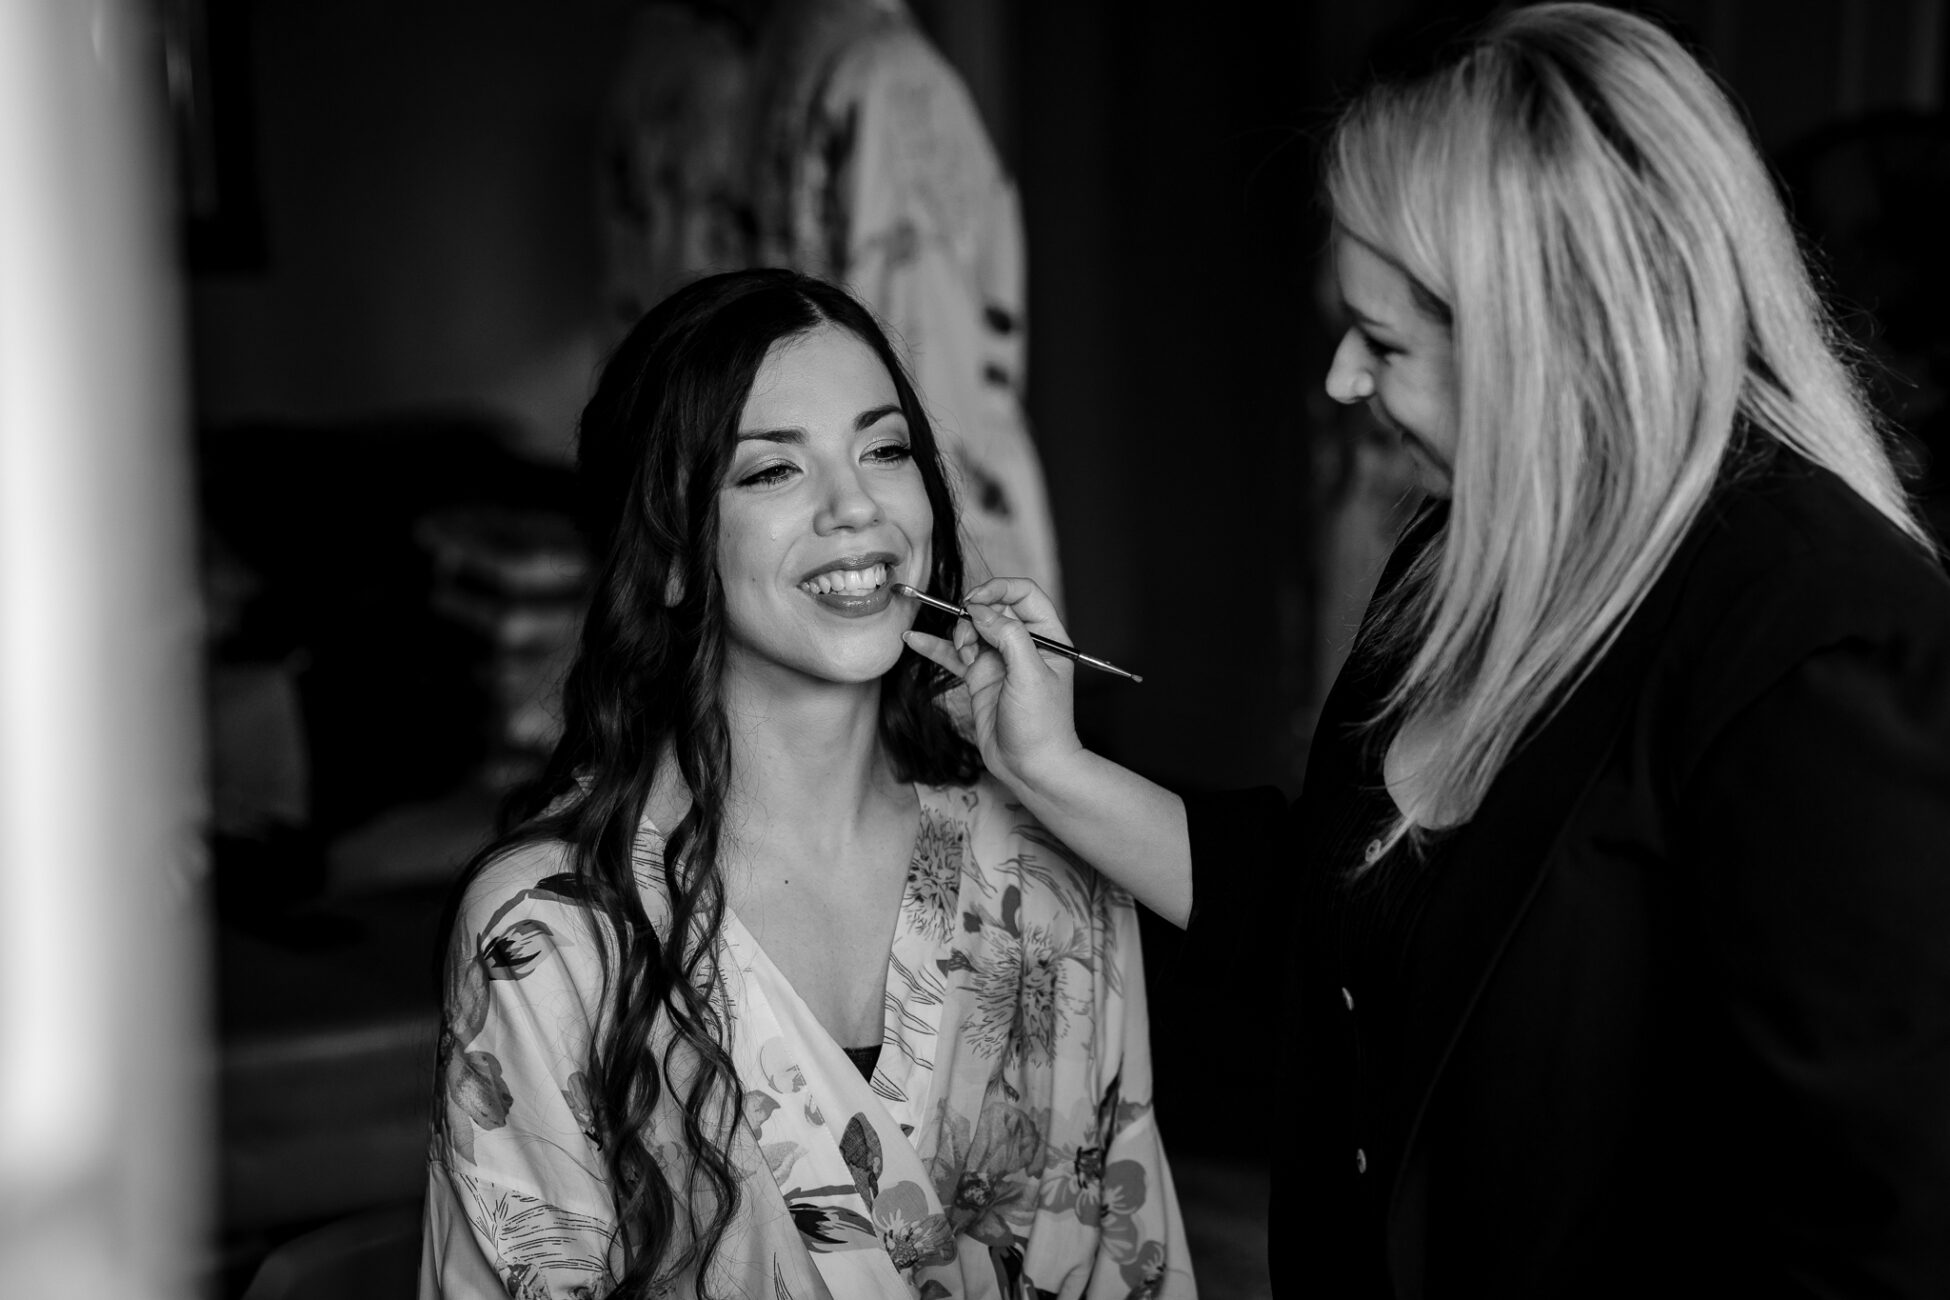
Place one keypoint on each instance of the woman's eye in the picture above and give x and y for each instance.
(1376, 348)
(891, 453)
(766, 476)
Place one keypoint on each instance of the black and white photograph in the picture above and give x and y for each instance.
(975, 649)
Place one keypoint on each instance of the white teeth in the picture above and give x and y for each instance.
(850, 581)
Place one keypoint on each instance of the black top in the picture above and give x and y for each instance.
(1676, 1002)
(1369, 908)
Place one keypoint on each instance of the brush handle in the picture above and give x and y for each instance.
(1054, 647)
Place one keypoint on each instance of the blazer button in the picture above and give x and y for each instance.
(1360, 1161)
(1372, 852)
(1347, 998)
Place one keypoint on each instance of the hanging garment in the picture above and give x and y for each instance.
(833, 139)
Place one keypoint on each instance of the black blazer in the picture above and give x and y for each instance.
(1678, 1016)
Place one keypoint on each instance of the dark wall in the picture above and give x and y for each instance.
(1164, 180)
(426, 174)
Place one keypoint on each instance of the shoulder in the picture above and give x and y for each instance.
(985, 811)
(1783, 566)
(536, 869)
(887, 49)
(527, 904)
(908, 89)
(1793, 558)
(1796, 522)
(1004, 846)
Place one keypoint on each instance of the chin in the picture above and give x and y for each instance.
(854, 666)
(869, 668)
(1431, 475)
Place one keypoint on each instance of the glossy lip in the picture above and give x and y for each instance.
(855, 604)
(855, 562)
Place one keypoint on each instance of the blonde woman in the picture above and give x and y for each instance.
(1620, 885)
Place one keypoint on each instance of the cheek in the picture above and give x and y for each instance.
(749, 545)
(908, 510)
(740, 554)
(1446, 406)
(919, 511)
(1418, 398)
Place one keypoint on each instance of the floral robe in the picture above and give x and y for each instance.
(1005, 1146)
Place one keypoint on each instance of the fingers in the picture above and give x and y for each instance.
(1025, 600)
(938, 650)
(1010, 636)
(997, 626)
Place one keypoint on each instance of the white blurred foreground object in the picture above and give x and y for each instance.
(102, 1147)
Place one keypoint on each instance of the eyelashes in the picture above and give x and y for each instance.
(1376, 348)
(884, 454)
(766, 476)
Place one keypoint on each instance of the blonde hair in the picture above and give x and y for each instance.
(1623, 288)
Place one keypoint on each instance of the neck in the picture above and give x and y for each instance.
(808, 763)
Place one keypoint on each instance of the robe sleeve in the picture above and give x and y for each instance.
(1822, 817)
(518, 1203)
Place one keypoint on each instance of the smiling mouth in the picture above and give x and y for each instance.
(1412, 441)
(846, 582)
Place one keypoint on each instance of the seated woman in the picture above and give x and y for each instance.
(773, 992)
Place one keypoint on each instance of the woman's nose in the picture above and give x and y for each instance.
(849, 503)
(1348, 377)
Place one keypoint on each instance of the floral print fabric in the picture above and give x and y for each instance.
(1005, 1146)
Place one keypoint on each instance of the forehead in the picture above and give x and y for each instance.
(827, 373)
(1373, 286)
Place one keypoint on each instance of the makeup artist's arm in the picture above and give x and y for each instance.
(1132, 830)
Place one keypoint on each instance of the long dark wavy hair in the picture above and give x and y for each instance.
(653, 446)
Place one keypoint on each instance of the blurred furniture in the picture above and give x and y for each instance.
(328, 912)
(327, 521)
(511, 579)
(327, 1017)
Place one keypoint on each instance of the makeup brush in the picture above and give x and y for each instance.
(1054, 647)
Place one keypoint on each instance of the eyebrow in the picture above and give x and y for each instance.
(797, 436)
(1365, 319)
(1367, 322)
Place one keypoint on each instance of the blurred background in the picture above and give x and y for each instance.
(301, 303)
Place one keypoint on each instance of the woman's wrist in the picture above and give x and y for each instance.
(1045, 773)
(1128, 828)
